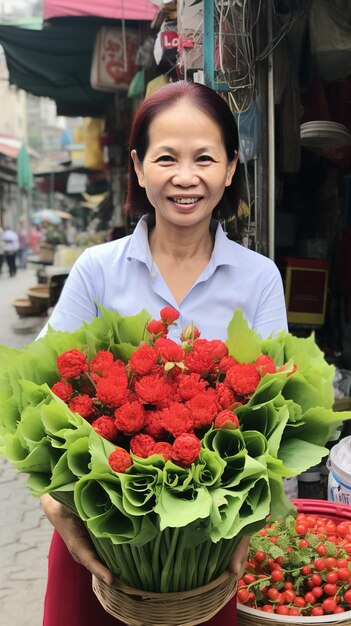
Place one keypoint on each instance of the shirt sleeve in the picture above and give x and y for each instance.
(270, 317)
(77, 303)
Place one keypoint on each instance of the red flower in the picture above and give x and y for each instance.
(265, 365)
(225, 397)
(168, 350)
(101, 363)
(119, 460)
(152, 389)
(112, 391)
(105, 426)
(143, 360)
(190, 333)
(186, 449)
(203, 408)
(130, 418)
(62, 389)
(153, 424)
(142, 445)
(226, 363)
(219, 349)
(200, 359)
(83, 405)
(226, 419)
(177, 419)
(243, 378)
(169, 315)
(72, 364)
(156, 329)
(189, 385)
(164, 449)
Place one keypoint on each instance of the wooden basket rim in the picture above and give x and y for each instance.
(118, 584)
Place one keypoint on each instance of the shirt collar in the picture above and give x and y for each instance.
(224, 250)
(139, 243)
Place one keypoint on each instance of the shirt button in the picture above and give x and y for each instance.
(176, 333)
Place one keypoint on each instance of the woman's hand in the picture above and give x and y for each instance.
(238, 561)
(76, 537)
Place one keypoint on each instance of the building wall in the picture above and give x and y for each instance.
(13, 118)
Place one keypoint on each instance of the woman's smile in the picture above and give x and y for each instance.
(185, 203)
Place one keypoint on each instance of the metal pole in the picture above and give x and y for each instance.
(52, 187)
(261, 170)
(271, 141)
(208, 43)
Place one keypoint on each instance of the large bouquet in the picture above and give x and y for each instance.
(168, 452)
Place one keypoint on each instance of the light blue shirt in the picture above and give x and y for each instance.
(122, 276)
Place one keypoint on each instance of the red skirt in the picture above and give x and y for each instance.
(70, 601)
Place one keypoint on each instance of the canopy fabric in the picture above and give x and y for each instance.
(54, 60)
(111, 9)
(24, 173)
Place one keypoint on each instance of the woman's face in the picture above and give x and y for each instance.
(185, 169)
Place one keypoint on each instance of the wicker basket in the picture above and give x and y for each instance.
(39, 294)
(186, 608)
(25, 308)
(252, 617)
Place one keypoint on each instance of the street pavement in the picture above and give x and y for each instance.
(25, 533)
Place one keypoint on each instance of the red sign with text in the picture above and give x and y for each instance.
(169, 39)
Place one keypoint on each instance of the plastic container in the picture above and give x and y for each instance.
(251, 617)
(333, 510)
(339, 465)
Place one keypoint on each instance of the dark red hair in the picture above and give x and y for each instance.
(210, 103)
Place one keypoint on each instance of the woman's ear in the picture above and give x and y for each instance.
(138, 168)
(231, 170)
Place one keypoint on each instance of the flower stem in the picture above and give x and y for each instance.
(167, 569)
(202, 561)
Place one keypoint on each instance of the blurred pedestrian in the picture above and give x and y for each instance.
(11, 245)
(34, 239)
(23, 245)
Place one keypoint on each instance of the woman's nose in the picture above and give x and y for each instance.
(185, 175)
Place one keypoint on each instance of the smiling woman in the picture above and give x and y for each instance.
(183, 173)
(185, 168)
(200, 106)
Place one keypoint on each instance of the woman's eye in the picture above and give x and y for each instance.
(165, 158)
(205, 158)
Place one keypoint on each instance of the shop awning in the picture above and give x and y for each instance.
(111, 9)
(53, 60)
(10, 146)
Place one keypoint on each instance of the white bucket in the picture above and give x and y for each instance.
(339, 465)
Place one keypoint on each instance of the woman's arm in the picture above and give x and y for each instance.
(270, 314)
(77, 300)
(75, 536)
